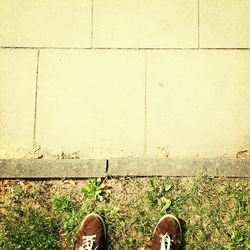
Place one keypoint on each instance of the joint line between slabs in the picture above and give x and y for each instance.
(145, 103)
(92, 22)
(114, 48)
(107, 166)
(198, 24)
(36, 92)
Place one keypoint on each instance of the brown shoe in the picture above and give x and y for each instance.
(92, 234)
(167, 234)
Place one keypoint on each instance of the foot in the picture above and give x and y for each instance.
(167, 234)
(92, 234)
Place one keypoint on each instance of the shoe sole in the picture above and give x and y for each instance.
(172, 216)
(98, 216)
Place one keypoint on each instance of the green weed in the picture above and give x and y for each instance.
(157, 196)
(63, 204)
(96, 190)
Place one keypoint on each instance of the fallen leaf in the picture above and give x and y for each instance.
(7, 183)
(243, 154)
(71, 182)
(36, 149)
(40, 156)
(25, 186)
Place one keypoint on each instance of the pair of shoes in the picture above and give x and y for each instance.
(92, 234)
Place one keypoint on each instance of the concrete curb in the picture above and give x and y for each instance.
(85, 168)
(46, 168)
(179, 167)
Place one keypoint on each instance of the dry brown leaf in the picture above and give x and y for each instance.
(40, 156)
(243, 154)
(7, 183)
(36, 153)
(74, 155)
(71, 182)
(25, 186)
(36, 149)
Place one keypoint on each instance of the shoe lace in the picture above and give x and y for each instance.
(88, 243)
(165, 242)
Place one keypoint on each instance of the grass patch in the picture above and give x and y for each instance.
(214, 213)
(29, 229)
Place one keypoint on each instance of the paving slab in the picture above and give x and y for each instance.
(47, 23)
(198, 103)
(178, 167)
(145, 23)
(46, 168)
(17, 101)
(91, 101)
(224, 24)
